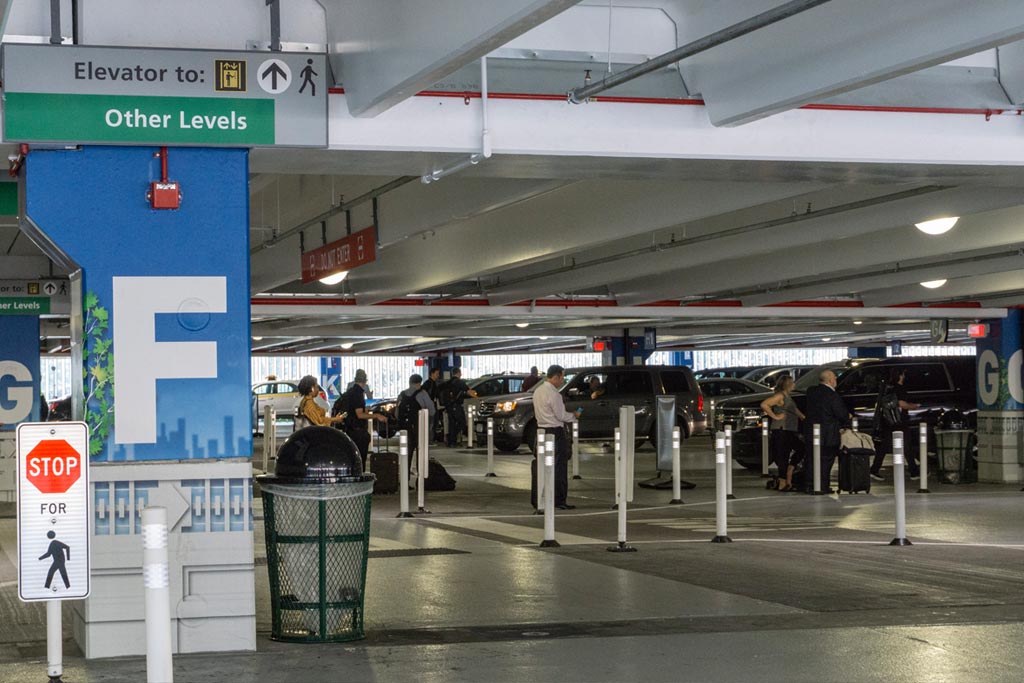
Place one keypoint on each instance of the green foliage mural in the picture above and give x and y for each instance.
(98, 362)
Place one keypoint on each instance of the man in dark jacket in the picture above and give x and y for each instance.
(533, 378)
(826, 408)
(431, 387)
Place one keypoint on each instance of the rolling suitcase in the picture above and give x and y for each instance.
(385, 467)
(855, 469)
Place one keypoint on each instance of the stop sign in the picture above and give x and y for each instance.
(53, 466)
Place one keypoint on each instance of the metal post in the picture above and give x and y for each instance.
(728, 463)
(470, 412)
(159, 667)
(621, 492)
(677, 485)
(423, 453)
(855, 425)
(55, 641)
(445, 421)
(922, 457)
(369, 430)
(539, 474)
(617, 451)
(403, 473)
(721, 510)
(490, 448)
(627, 417)
(549, 493)
(269, 434)
(817, 460)
(901, 494)
(711, 417)
(764, 449)
(576, 450)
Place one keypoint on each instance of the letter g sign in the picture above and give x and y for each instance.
(16, 396)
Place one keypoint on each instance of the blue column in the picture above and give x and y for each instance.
(19, 372)
(1000, 399)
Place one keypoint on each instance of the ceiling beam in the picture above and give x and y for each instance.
(955, 289)
(831, 49)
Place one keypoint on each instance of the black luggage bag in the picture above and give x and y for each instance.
(385, 467)
(855, 469)
(438, 478)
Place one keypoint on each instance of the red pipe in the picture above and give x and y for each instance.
(163, 164)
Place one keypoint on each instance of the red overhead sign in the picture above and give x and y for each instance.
(345, 254)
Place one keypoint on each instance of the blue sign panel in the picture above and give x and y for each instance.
(19, 370)
(166, 295)
(1000, 381)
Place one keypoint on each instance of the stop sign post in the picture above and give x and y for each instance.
(53, 511)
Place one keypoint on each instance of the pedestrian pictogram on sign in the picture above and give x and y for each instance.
(274, 76)
(53, 510)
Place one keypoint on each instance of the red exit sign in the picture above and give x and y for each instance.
(977, 330)
(347, 253)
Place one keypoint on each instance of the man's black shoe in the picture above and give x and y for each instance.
(566, 507)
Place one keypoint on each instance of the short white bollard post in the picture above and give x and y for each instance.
(155, 578)
(817, 459)
(721, 509)
(403, 473)
(621, 493)
(764, 449)
(922, 457)
(549, 493)
(55, 640)
(616, 463)
(901, 494)
(490, 448)
(711, 418)
(269, 434)
(576, 450)
(855, 425)
(423, 459)
(471, 428)
(728, 463)
(538, 476)
(677, 484)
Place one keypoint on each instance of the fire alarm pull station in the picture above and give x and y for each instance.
(164, 193)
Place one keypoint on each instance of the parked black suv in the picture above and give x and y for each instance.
(514, 423)
(937, 383)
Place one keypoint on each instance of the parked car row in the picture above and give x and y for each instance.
(766, 375)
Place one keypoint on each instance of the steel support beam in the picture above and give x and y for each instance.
(385, 52)
(955, 289)
(834, 48)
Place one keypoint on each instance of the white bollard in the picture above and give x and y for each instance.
(901, 494)
(817, 460)
(490, 448)
(627, 422)
(55, 640)
(539, 474)
(855, 425)
(403, 473)
(269, 434)
(470, 428)
(922, 457)
(423, 459)
(621, 492)
(711, 418)
(764, 449)
(728, 463)
(677, 474)
(159, 667)
(721, 509)
(576, 450)
(549, 493)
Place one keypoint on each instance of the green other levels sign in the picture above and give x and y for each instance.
(24, 305)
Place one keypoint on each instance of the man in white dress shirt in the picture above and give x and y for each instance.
(549, 409)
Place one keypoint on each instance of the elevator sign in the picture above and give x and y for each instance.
(77, 94)
(53, 510)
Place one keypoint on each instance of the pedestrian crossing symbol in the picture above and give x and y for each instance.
(230, 75)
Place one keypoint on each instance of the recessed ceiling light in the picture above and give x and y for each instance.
(542, 338)
(933, 284)
(334, 279)
(858, 322)
(937, 226)
(522, 325)
(347, 345)
(826, 339)
(257, 338)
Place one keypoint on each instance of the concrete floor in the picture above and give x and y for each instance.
(809, 590)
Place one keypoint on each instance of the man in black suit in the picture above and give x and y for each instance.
(826, 408)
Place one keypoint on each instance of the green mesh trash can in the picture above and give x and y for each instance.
(955, 454)
(316, 509)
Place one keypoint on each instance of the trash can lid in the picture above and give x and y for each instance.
(318, 455)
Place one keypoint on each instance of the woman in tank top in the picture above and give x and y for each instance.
(785, 446)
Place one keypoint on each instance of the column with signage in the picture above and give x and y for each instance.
(1001, 399)
(19, 389)
(633, 348)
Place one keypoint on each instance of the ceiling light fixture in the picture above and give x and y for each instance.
(826, 339)
(257, 338)
(937, 226)
(542, 338)
(334, 279)
(347, 345)
(933, 284)
(522, 325)
(858, 322)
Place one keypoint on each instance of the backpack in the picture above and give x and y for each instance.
(449, 393)
(408, 409)
(340, 406)
(887, 410)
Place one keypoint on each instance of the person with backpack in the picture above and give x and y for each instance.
(453, 393)
(432, 389)
(410, 403)
(353, 404)
(891, 414)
